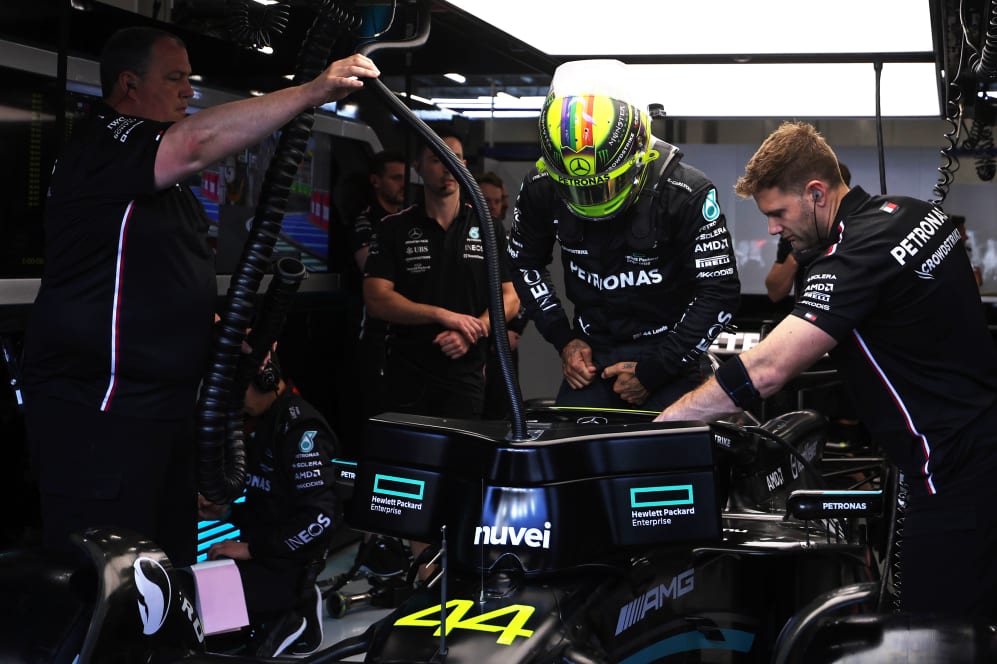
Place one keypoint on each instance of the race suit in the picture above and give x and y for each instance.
(896, 290)
(656, 284)
(291, 508)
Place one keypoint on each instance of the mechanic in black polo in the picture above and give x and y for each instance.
(288, 517)
(121, 326)
(426, 276)
(648, 262)
(889, 293)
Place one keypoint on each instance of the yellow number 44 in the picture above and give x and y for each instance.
(457, 609)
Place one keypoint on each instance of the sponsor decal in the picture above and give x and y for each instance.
(309, 532)
(509, 622)
(635, 611)
(414, 233)
(889, 207)
(918, 236)
(938, 255)
(715, 261)
(538, 289)
(257, 482)
(154, 592)
(723, 318)
(711, 208)
(628, 279)
(579, 166)
(502, 535)
(810, 316)
(307, 442)
(844, 506)
(592, 419)
(681, 185)
(474, 233)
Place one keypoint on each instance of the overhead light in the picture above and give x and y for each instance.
(791, 90)
(731, 27)
(266, 2)
(505, 95)
(456, 78)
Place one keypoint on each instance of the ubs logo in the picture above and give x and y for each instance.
(592, 419)
(579, 166)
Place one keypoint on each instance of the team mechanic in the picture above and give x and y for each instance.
(288, 516)
(648, 261)
(426, 275)
(889, 292)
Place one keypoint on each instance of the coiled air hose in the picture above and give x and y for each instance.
(496, 306)
(221, 448)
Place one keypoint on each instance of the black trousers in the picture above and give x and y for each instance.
(100, 469)
(445, 390)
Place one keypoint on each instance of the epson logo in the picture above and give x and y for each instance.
(633, 612)
(502, 535)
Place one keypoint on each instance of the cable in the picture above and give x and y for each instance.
(496, 305)
(221, 449)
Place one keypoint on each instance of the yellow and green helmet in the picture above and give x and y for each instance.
(595, 148)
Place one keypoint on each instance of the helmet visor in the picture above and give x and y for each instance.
(596, 189)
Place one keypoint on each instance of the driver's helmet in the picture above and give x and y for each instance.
(595, 138)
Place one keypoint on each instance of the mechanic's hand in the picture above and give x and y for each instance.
(209, 511)
(472, 327)
(229, 549)
(626, 385)
(576, 361)
(453, 344)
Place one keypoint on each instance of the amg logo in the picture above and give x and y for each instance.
(501, 535)
(632, 613)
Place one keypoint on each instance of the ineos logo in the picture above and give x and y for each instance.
(592, 419)
(580, 166)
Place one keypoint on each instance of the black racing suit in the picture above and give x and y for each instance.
(896, 290)
(291, 508)
(655, 284)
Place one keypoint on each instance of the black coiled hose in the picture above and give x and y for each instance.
(985, 65)
(221, 448)
(496, 306)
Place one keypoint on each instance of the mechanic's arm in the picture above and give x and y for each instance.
(785, 352)
(387, 304)
(779, 281)
(531, 242)
(454, 344)
(204, 138)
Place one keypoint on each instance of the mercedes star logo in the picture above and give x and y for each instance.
(580, 166)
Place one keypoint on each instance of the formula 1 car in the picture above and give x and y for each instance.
(604, 538)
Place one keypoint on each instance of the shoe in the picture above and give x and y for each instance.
(310, 638)
(284, 632)
(382, 556)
